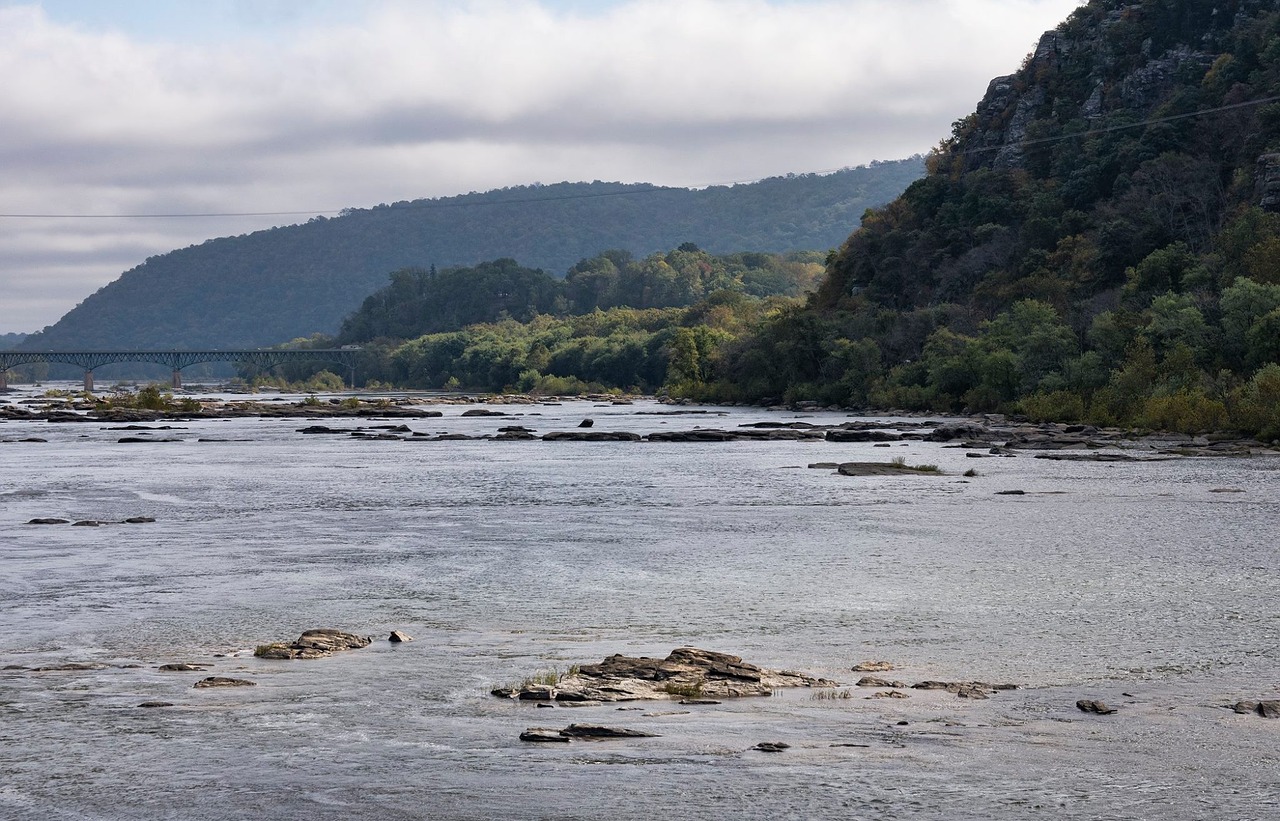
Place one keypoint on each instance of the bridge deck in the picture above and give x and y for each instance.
(174, 360)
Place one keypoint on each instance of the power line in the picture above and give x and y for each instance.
(1121, 127)
(460, 202)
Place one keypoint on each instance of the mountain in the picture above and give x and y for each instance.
(8, 341)
(269, 286)
(1098, 241)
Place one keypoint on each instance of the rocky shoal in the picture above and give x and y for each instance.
(686, 672)
(984, 435)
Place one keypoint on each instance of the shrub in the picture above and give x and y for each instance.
(1187, 411)
(1053, 406)
(1255, 407)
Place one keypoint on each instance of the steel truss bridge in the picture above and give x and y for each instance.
(89, 361)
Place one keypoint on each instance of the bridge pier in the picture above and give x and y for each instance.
(4, 380)
(88, 381)
(176, 382)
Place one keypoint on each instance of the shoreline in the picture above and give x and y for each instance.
(998, 434)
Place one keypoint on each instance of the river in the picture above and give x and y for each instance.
(1145, 585)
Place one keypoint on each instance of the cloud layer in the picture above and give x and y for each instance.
(416, 100)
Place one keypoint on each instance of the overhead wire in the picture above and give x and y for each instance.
(461, 201)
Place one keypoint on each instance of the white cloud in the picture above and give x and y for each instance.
(431, 99)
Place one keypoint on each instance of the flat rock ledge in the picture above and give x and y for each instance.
(594, 732)
(962, 689)
(687, 673)
(313, 644)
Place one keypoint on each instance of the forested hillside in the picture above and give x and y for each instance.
(1099, 241)
(260, 288)
(615, 321)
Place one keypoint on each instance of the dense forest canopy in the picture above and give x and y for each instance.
(1099, 241)
(419, 302)
(614, 322)
(293, 281)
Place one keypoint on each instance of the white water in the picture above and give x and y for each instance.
(505, 558)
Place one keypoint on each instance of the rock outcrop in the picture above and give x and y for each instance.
(687, 672)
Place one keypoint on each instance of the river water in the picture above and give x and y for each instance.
(1141, 585)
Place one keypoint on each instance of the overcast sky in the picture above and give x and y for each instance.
(116, 107)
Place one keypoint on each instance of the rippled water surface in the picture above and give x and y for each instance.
(1134, 584)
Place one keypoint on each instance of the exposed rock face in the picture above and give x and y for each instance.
(687, 672)
(313, 644)
(398, 637)
(1267, 182)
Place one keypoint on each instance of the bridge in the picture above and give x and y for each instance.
(174, 360)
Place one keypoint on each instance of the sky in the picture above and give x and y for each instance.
(117, 108)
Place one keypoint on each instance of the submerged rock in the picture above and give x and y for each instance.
(183, 668)
(223, 681)
(872, 667)
(313, 644)
(49, 521)
(590, 436)
(71, 667)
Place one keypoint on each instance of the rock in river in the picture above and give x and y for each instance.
(598, 731)
(544, 734)
(1096, 707)
(313, 644)
(687, 672)
(772, 746)
(1266, 709)
(222, 681)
